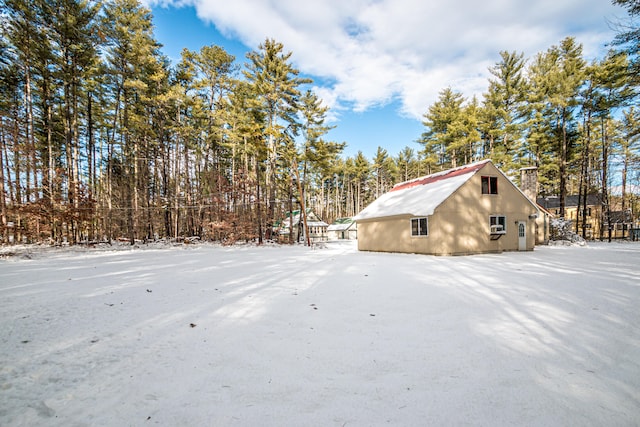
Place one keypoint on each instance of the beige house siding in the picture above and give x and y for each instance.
(542, 225)
(460, 225)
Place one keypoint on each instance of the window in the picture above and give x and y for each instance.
(498, 224)
(582, 212)
(489, 185)
(419, 227)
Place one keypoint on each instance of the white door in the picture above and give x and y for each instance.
(522, 236)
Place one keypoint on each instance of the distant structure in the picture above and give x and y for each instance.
(343, 229)
(317, 227)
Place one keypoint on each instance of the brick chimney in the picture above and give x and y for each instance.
(529, 182)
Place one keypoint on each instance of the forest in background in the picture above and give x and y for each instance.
(102, 137)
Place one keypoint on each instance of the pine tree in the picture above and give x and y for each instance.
(9, 95)
(245, 133)
(407, 164)
(361, 172)
(555, 79)
(612, 91)
(133, 58)
(628, 37)
(503, 104)
(75, 39)
(539, 134)
(276, 83)
(445, 132)
(380, 161)
(468, 132)
(213, 70)
(317, 154)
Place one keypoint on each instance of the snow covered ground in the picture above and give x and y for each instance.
(199, 335)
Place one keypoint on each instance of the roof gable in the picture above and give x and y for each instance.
(294, 218)
(421, 196)
(341, 224)
(571, 201)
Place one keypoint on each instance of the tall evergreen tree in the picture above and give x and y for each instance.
(630, 152)
(380, 171)
(212, 70)
(73, 30)
(467, 129)
(133, 57)
(612, 91)
(444, 128)
(539, 134)
(628, 37)
(555, 80)
(316, 151)
(504, 113)
(276, 83)
(24, 33)
(408, 164)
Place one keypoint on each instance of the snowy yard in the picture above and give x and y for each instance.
(201, 335)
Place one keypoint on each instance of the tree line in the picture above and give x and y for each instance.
(102, 137)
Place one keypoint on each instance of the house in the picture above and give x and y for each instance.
(466, 210)
(591, 218)
(317, 227)
(622, 225)
(343, 229)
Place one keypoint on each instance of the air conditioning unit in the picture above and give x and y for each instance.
(497, 229)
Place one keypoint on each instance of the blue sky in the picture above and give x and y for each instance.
(379, 64)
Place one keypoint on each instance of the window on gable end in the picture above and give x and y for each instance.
(419, 227)
(489, 184)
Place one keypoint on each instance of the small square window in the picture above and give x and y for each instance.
(419, 227)
(489, 185)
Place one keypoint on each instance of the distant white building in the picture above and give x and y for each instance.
(343, 229)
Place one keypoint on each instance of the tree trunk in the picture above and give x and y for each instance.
(563, 165)
(303, 209)
(605, 193)
(3, 203)
(258, 202)
(581, 210)
(30, 140)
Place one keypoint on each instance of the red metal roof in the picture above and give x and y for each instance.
(439, 176)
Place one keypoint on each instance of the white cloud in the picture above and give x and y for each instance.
(378, 50)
